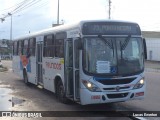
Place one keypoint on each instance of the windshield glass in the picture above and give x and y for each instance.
(121, 55)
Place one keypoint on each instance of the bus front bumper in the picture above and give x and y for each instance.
(88, 97)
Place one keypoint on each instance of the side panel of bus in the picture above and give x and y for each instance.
(52, 67)
(53, 60)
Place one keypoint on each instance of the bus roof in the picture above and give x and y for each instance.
(69, 26)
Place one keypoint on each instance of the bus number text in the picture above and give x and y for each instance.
(56, 66)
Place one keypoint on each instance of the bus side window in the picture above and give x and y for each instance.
(59, 50)
(59, 44)
(25, 47)
(22, 47)
(48, 46)
(19, 48)
(15, 49)
(32, 46)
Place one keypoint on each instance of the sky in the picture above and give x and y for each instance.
(43, 14)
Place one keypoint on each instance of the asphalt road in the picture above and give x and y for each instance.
(19, 97)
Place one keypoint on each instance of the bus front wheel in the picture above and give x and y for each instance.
(61, 93)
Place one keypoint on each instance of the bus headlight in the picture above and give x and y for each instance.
(139, 84)
(90, 86)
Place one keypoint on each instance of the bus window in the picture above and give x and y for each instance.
(22, 47)
(59, 42)
(59, 52)
(32, 45)
(48, 46)
(76, 50)
(25, 47)
(15, 48)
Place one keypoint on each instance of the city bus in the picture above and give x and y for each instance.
(89, 62)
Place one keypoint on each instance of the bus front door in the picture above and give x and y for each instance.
(39, 54)
(71, 71)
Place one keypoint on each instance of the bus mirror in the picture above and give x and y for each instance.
(145, 48)
(78, 44)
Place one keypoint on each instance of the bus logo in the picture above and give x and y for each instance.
(117, 88)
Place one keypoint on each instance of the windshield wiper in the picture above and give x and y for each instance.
(110, 45)
(106, 41)
(124, 45)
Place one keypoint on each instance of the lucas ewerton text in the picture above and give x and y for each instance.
(144, 115)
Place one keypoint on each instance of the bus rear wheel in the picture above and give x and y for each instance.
(25, 77)
(61, 93)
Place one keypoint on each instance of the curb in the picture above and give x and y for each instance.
(152, 70)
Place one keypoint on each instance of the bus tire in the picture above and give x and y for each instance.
(25, 77)
(61, 93)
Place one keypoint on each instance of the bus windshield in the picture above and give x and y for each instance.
(113, 55)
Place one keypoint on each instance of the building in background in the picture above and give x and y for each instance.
(153, 44)
(3, 43)
(5, 49)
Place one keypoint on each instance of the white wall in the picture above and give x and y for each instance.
(153, 49)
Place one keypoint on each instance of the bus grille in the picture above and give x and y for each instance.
(121, 88)
(116, 81)
(120, 95)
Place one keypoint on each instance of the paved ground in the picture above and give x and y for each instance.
(152, 66)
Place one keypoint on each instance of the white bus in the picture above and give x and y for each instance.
(91, 62)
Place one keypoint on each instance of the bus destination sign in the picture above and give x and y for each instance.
(111, 28)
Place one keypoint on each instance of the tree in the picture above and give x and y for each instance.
(3, 42)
